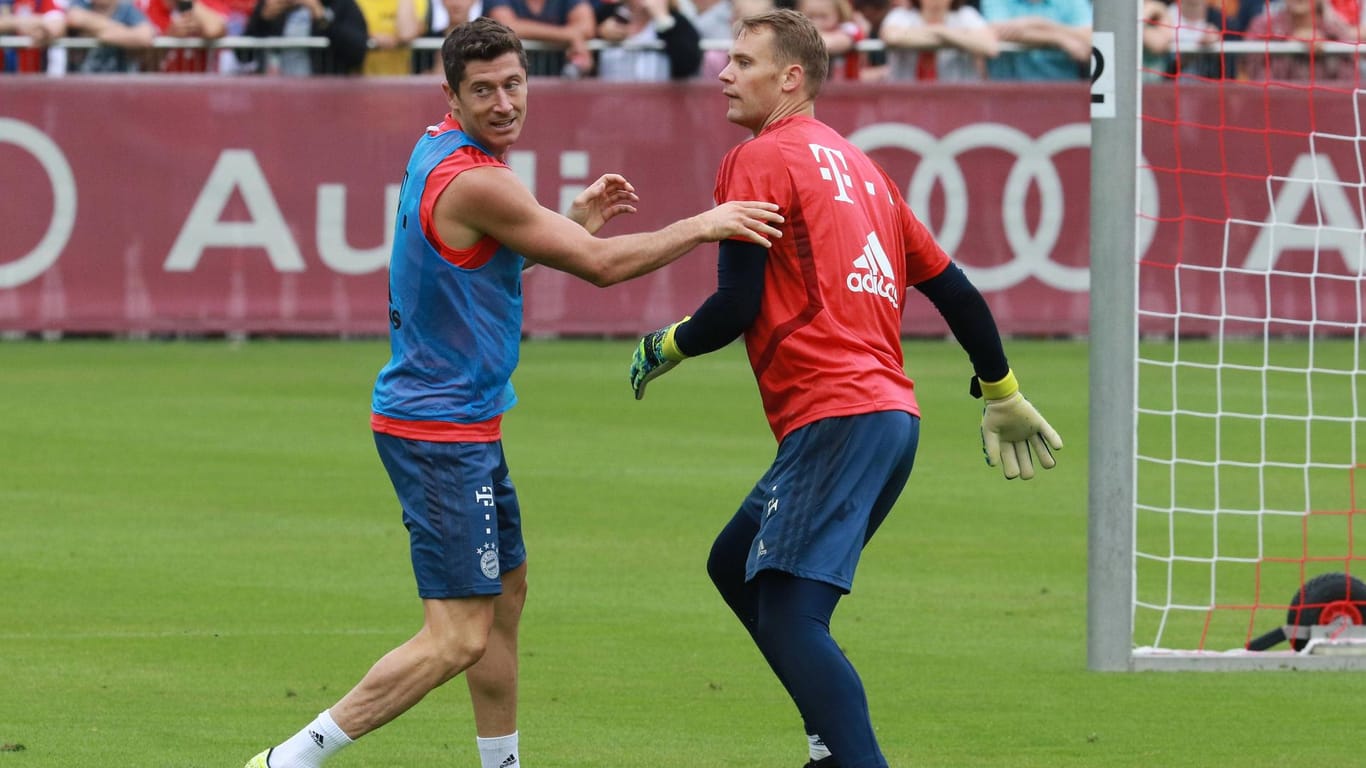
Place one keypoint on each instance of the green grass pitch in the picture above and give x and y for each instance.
(199, 551)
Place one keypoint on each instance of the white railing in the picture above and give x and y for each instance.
(434, 43)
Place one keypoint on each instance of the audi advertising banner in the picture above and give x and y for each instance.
(226, 205)
(208, 205)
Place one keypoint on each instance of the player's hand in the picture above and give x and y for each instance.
(602, 201)
(750, 220)
(656, 354)
(1013, 432)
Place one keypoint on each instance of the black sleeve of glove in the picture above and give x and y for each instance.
(728, 312)
(970, 320)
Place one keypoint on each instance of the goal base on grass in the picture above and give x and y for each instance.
(1329, 648)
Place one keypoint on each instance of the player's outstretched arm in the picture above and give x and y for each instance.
(489, 201)
(1013, 431)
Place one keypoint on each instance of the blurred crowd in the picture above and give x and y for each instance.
(661, 40)
(617, 40)
(1201, 39)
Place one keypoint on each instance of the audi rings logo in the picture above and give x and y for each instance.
(1032, 250)
(49, 156)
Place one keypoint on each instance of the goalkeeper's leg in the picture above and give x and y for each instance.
(831, 486)
(793, 631)
(726, 567)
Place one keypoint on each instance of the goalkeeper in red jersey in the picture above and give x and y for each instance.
(821, 316)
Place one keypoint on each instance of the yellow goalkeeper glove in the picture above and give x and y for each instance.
(1013, 432)
(656, 354)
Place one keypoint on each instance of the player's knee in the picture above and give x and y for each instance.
(455, 652)
(726, 572)
(715, 570)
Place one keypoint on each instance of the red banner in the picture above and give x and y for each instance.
(207, 205)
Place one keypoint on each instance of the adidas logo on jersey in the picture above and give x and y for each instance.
(873, 272)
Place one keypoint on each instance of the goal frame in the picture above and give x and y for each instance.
(1116, 143)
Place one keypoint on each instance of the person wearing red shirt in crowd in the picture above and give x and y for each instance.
(40, 20)
(206, 19)
(821, 315)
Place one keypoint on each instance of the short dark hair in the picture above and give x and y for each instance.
(795, 41)
(480, 40)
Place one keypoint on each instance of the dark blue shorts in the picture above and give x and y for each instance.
(830, 487)
(464, 523)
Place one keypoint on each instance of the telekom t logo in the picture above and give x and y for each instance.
(835, 168)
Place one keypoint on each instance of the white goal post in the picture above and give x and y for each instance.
(1227, 368)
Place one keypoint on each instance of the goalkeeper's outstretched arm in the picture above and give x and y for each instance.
(1013, 432)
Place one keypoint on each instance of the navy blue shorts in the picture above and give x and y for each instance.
(830, 487)
(464, 523)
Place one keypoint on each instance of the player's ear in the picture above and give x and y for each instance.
(452, 99)
(794, 78)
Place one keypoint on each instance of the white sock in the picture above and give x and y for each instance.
(499, 751)
(817, 746)
(308, 748)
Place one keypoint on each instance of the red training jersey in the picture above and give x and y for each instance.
(827, 341)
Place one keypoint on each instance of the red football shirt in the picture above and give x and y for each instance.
(180, 59)
(827, 341)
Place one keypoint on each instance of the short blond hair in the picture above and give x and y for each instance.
(795, 41)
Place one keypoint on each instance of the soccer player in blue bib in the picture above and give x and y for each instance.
(466, 228)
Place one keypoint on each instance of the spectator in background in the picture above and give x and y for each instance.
(1177, 29)
(441, 19)
(238, 13)
(713, 19)
(1157, 38)
(207, 19)
(642, 22)
(123, 31)
(1308, 21)
(42, 21)
(1238, 14)
(871, 14)
(1056, 32)
(835, 21)
(340, 21)
(392, 25)
(566, 25)
(716, 60)
(938, 40)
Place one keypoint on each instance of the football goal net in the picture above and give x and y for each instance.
(1228, 374)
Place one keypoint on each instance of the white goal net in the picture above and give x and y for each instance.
(1249, 375)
